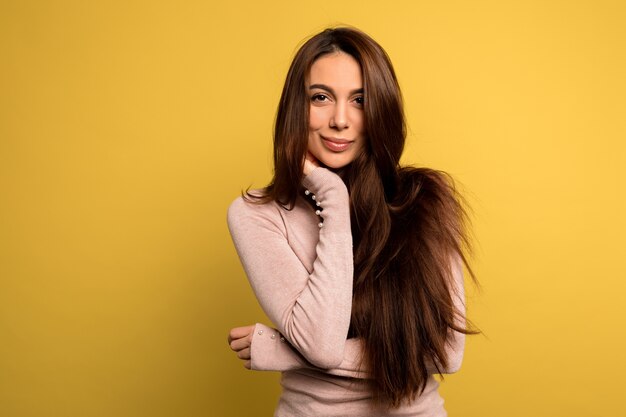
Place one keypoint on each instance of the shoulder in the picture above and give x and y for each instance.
(244, 206)
(245, 213)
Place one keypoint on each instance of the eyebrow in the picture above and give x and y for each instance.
(330, 90)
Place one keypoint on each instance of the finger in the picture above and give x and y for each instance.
(240, 344)
(247, 364)
(311, 158)
(244, 354)
(239, 332)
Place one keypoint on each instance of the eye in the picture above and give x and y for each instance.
(319, 97)
(360, 100)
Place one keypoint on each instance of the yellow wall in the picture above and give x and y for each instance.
(126, 128)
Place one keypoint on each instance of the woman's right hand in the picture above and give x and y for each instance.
(310, 163)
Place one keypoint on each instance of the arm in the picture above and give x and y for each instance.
(269, 351)
(312, 311)
(272, 354)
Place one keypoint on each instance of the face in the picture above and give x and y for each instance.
(336, 119)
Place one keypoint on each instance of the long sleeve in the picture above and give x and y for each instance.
(310, 309)
(277, 355)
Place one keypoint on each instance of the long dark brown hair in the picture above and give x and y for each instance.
(407, 223)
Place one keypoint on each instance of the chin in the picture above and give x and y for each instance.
(335, 165)
(336, 161)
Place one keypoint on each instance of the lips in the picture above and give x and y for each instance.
(336, 144)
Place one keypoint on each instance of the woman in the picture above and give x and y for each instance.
(356, 260)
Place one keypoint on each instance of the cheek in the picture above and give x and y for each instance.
(316, 118)
(359, 123)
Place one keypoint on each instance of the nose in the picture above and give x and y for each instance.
(339, 119)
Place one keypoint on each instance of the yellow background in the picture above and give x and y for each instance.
(127, 127)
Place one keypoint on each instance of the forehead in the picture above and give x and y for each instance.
(337, 69)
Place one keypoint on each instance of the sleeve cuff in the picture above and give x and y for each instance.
(270, 351)
(320, 178)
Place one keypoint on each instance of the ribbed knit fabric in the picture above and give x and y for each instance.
(302, 276)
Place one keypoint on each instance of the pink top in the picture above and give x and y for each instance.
(302, 276)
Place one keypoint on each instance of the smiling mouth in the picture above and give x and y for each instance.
(336, 145)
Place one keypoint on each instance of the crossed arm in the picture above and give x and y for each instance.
(256, 347)
(310, 305)
(311, 310)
